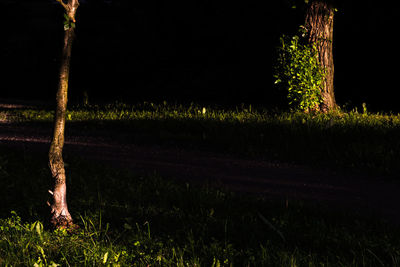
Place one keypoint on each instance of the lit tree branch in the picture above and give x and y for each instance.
(70, 8)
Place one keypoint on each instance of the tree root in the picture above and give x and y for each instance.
(63, 222)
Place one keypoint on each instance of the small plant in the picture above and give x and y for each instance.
(68, 22)
(299, 72)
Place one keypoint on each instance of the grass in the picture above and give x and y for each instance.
(129, 220)
(353, 141)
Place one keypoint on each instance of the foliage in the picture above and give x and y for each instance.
(68, 23)
(131, 220)
(299, 72)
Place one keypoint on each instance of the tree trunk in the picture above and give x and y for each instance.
(61, 218)
(319, 24)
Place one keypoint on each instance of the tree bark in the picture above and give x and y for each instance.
(319, 25)
(61, 218)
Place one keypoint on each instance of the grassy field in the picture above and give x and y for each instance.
(352, 141)
(128, 220)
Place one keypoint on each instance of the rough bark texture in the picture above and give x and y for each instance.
(61, 218)
(319, 24)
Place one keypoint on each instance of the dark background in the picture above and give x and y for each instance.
(203, 51)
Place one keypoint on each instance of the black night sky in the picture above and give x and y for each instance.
(218, 52)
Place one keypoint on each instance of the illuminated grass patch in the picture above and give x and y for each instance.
(243, 114)
(356, 141)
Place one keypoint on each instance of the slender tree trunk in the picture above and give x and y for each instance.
(61, 218)
(319, 24)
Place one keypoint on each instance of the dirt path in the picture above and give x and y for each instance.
(279, 181)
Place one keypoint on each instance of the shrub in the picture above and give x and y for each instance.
(299, 72)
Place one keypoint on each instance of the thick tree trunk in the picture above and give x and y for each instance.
(61, 218)
(319, 24)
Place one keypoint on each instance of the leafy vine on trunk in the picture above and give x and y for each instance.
(298, 58)
(299, 73)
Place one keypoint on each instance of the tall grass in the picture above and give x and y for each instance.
(241, 114)
(129, 220)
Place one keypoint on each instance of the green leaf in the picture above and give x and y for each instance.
(39, 228)
(105, 257)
